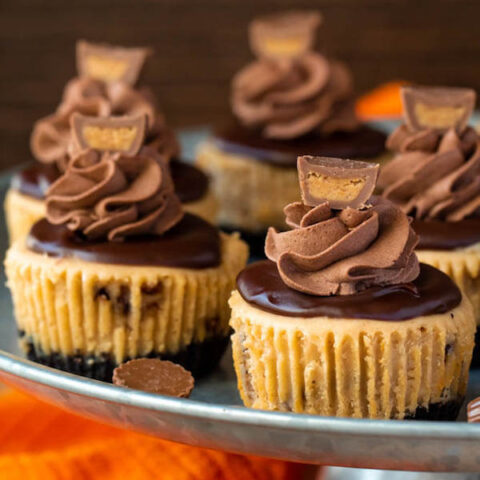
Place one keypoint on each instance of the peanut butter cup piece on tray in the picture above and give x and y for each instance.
(110, 64)
(437, 108)
(154, 376)
(341, 183)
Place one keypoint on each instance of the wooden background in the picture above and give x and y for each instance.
(199, 44)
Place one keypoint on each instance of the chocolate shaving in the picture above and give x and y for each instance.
(341, 183)
(154, 376)
(473, 411)
(108, 134)
(110, 64)
(284, 35)
(437, 108)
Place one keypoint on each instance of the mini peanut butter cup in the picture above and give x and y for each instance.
(110, 64)
(284, 35)
(154, 376)
(121, 134)
(341, 183)
(437, 108)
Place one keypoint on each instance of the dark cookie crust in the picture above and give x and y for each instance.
(447, 411)
(198, 358)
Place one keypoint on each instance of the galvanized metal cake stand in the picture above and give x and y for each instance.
(214, 416)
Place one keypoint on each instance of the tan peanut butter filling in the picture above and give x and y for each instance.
(103, 68)
(334, 188)
(110, 138)
(438, 117)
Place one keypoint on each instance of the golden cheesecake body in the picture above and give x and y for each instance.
(351, 367)
(88, 317)
(462, 265)
(251, 192)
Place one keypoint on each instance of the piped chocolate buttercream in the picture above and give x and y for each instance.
(111, 190)
(291, 90)
(340, 252)
(435, 174)
(100, 96)
(191, 184)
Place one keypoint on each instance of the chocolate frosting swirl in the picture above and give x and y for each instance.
(289, 98)
(113, 196)
(51, 135)
(330, 252)
(434, 175)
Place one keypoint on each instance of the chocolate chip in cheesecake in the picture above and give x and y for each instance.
(154, 376)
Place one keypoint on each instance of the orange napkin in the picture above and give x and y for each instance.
(381, 102)
(39, 441)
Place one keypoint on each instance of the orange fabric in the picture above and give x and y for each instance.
(42, 442)
(381, 102)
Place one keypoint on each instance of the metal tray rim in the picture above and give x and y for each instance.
(28, 370)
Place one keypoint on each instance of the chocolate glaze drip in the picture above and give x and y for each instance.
(191, 184)
(438, 235)
(432, 292)
(35, 179)
(192, 243)
(362, 143)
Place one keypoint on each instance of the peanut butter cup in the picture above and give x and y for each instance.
(342, 319)
(154, 376)
(291, 100)
(105, 86)
(435, 177)
(117, 270)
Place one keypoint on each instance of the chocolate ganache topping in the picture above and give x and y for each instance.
(290, 90)
(102, 90)
(435, 174)
(110, 194)
(342, 252)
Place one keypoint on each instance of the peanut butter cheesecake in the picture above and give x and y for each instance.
(117, 270)
(290, 100)
(435, 178)
(342, 320)
(105, 86)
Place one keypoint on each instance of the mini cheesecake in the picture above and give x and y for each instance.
(290, 100)
(117, 270)
(342, 320)
(92, 94)
(434, 177)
